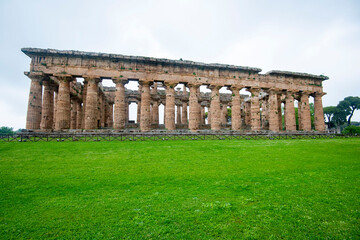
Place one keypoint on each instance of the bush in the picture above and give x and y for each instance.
(351, 130)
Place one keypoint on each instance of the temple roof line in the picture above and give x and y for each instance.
(74, 53)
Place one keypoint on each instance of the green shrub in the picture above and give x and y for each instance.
(351, 130)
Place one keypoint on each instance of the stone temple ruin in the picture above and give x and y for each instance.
(58, 102)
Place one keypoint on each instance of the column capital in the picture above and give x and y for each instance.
(254, 90)
(235, 88)
(145, 83)
(36, 76)
(216, 87)
(319, 94)
(170, 85)
(92, 78)
(305, 93)
(120, 80)
(63, 77)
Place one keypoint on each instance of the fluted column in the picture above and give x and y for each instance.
(78, 115)
(224, 114)
(305, 112)
(255, 109)
(155, 112)
(145, 118)
(184, 119)
(63, 102)
(279, 111)
(273, 111)
(248, 113)
(73, 112)
(319, 112)
(47, 112)
(193, 108)
(290, 122)
(126, 111)
(178, 114)
(84, 103)
(120, 104)
(215, 108)
(170, 106)
(235, 109)
(91, 110)
(33, 118)
(202, 114)
(139, 106)
(55, 106)
(209, 116)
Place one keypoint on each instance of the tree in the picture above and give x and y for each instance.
(6, 130)
(329, 113)
(349, 105)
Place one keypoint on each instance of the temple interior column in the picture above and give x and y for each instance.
(91, 111)
(273, 111)
(202, 114)
(224, 114)
(209, 115)
(248, 113)
(193, 108)
(319, 112)
(63, 102)
(215, 108)
(103, 104)
(84, 103)
(33, 118)
(120, 104)
(78, 115)
(155, 112)
(255, 109)
(290, 122)
(73, 112)
(145, 118)
(170, 107)
(279, 111)
(55, 106)
(305, 112)
(126, 111)
(235, 109)
(178, 114)
(47, 111)
(184, 112)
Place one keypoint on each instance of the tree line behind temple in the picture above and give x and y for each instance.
(336, 117)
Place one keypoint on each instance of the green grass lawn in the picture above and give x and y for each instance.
(291, 189)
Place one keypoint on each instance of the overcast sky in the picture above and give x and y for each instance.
(318, 37)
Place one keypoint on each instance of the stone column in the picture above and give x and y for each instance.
(265, 113)
(224, 114)
(184, 113)
(47, 111)
(126, 111)
(209, 115)
(248, 113)
(215, 108)
(55, 107)
(78, 115)
(273, 111)
(193, 105)
(255, 109)
(235, 109)
(290, 122)
(33, 118)
(84, 91)
(63, 102)
(319, 112)
(91, 110)
(170, 106)
(279, 111)
(178, 114)
(305, 112)
(73, 112)
(145, 118)
(202, 114)
(139, 106)
(120, 104)
(103, 106)
(155, 112)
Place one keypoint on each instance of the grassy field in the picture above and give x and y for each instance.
(291, 189)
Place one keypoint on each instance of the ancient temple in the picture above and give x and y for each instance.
(59, 102)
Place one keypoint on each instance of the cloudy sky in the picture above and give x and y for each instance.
(319, 37)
